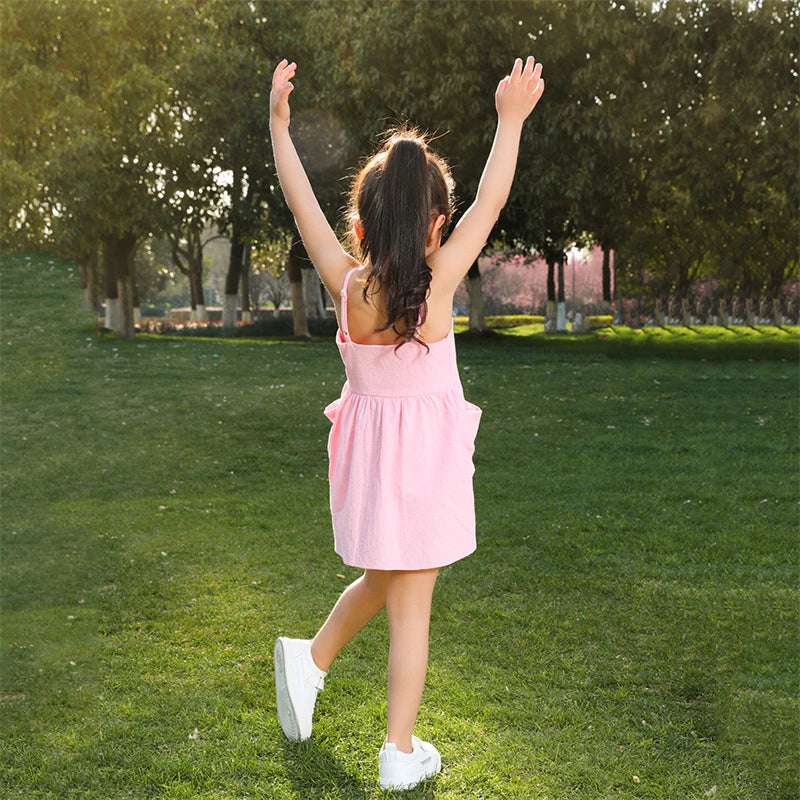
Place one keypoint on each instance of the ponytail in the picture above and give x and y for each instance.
(395, 196)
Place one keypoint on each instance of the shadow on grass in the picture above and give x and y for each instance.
(316, 772)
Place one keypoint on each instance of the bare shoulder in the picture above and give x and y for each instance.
(334, 272)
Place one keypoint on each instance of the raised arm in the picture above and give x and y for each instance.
(516, 96)
(322, 244)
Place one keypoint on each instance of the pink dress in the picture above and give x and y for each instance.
(400, 454)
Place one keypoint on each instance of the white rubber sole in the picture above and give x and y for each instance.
(286, 713)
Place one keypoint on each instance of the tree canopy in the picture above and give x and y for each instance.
(668, 131)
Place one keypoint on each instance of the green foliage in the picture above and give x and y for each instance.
(123, 119)
(631, 609)
(94, 152)
(715, 196)
(270, 257)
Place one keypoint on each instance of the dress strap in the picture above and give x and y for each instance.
(343, 295)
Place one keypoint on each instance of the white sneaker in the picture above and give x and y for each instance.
(297, 681)
(399, 770)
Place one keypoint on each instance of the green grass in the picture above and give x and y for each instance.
(701, 342)
(631, 610)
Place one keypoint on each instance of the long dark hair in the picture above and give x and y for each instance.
(396, 195)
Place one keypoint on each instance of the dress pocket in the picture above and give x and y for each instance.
(332, 409)
(470, 420)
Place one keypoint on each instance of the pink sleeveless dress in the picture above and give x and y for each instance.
(400, 453)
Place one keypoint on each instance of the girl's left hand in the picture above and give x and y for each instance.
(281, 89)
(518, 93)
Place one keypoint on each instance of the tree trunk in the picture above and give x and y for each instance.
(550, 313)
(724, 317)
(477, 319)
(195, 275)
(686, 317)
(119, 280)
(658, 313)
(195, 290)
(297, 252)
(561, 314)
(606, 273)
(312, 293)
(127, 329)
(247, 315)
(230, 311)
(192, 269)
(551, 279)
(232, 282)
(124, 248)
(777, 314)
(111, 320)
(750, 317)
(137, 306)
(87, 269)
(618, 315)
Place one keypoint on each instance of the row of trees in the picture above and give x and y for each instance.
(668, 133)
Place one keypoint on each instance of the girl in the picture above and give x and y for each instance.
(402, 438)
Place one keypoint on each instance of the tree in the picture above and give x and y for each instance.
(615, 103)
(543, 210)
(752, 191)
(374, 62)
(122, 120)
(270, 280)
(94, 149)
(228, 91)
(714, 172)
(28, 92)
(33, 85)
(187, 256)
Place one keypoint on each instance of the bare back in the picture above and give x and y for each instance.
(365, 317)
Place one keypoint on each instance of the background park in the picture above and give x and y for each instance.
(628, 627)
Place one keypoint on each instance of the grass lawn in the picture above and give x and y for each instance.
(628, 627)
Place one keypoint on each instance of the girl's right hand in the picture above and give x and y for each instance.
(281, 89)
(518, 93)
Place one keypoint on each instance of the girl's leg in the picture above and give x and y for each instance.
(356, 606)
(408, 608)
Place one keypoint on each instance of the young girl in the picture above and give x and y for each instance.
(402, 438)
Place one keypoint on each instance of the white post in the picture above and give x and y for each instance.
(312, 294)
(561, 316)
(112, 319)
(229, 310)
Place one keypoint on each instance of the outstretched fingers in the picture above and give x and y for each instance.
(284, 72)
(519, 92)
(528, 75)
(531, 77)
(281, 89)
